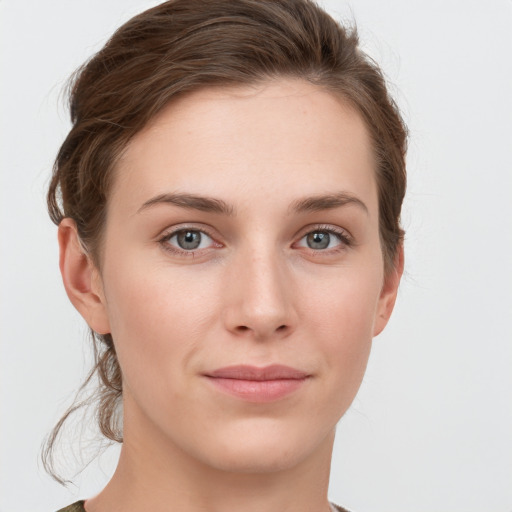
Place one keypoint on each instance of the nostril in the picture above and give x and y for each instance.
(281, 328)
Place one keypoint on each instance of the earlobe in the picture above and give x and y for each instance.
(388, 293)
(81, 278)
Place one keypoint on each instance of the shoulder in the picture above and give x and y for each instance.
(79, 507)
(337, 508)
(76, 507)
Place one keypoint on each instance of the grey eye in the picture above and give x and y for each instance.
(318, 240)
(188, 239)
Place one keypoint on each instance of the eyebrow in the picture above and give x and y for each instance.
(213, 205)
(326, 202)
(191, 201)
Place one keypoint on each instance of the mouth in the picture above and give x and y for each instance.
(259, 385)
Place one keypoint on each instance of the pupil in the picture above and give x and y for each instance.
(318, 240)
(189, 239)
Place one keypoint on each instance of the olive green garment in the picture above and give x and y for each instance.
(76, 507)
(79, 507)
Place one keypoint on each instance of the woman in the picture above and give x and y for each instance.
(228, 202)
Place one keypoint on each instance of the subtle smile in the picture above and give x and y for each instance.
(259, 385)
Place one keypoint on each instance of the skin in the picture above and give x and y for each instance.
(254, 292)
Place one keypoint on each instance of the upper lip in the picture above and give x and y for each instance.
(246, 372)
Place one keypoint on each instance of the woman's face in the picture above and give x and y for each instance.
(242, 229)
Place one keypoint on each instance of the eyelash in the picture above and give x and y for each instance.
(344, 238)
(163, 241)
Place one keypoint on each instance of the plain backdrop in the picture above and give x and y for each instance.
(431, 428)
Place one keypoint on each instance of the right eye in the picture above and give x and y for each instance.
(187, 240)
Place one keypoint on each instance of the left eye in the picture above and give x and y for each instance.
(189, 239)
(321, 239)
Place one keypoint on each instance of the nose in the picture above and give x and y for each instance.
(260, 298)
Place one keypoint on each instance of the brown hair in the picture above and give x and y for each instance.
(181, 46)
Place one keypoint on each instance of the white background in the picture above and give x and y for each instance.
(431, 429)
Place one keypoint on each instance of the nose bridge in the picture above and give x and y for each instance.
(262, 301)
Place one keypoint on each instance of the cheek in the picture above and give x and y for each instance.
(341, 319)
(156, 317)
(344, 306)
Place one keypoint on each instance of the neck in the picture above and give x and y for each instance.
(155, 474)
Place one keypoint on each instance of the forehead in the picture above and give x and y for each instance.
(285, 135)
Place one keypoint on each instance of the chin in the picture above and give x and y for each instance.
(263, 448)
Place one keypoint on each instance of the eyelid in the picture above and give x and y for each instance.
(169, 233)
(345, 238)
(329, 228)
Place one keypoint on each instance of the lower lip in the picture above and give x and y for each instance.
(259, 391)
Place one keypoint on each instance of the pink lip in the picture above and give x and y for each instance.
(258, 384)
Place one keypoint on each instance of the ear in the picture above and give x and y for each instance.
(81, 279)
(388, 293)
